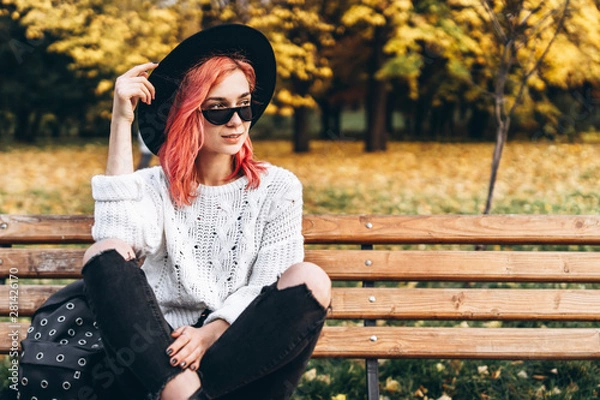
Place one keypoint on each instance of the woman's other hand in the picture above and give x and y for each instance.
(131, 87)
(191, 343)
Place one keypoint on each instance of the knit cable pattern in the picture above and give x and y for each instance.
(218, 252)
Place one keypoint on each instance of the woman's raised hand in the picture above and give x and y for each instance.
(131, 87)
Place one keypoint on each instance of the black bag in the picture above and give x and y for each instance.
(62, 345)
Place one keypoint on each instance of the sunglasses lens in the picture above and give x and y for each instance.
(223, 116)
(245, 113)
(218, 117)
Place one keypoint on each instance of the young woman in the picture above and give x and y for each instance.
(223, 306)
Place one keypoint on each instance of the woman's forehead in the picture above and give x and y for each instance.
(234, 85)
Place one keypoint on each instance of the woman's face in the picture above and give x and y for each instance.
(233, 91)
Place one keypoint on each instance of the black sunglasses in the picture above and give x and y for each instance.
(221, 116)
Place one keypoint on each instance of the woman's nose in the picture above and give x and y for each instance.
(235, 119)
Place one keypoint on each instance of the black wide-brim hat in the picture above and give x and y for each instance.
(229, 39)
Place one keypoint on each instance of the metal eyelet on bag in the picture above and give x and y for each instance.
(30, 329)
(64, 341)
(82, 342)
(95, 346)
(24, 381)
(44, 384)
(43, 322)
(66, 385)
(79, 321)
(70, 306)
(77, 374)
(71, 332)
(82, 362)
(89, 334)
(39, 355)
(52, 332)
(60, 357)
(38, 336)
(61, 318)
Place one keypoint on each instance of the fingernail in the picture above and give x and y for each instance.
(182, 364)
(174, 361)
(154, 62)
(169, 352)
(193, 367)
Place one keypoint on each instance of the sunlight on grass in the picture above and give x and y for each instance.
(338, 177)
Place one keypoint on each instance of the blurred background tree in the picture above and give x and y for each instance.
(397, 69)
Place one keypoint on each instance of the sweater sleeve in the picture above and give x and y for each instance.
(282, 245)
(127, 207)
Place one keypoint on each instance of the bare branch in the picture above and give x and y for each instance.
(538, 27)
(528, 74)
(532, 12)
(495, 22)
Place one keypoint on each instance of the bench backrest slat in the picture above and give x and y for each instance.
(424, 304)
(453, 229)
(348, 229)
(377, 265)
(475, 343)
(45, 229)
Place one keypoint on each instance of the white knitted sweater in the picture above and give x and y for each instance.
(218, 252)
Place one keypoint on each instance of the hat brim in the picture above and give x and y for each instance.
(227, 39)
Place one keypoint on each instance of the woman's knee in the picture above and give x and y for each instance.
(120, 246)
(313, 276)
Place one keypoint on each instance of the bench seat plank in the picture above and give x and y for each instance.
(380, 265)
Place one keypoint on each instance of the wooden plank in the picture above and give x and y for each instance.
(467, 343)
(435, 343)
(376, 265)
(412, 304)
(45, 229)
(456, 229)
(357, 229)
(29, 298)
(459, 266)
(41, 263)
(466, 304)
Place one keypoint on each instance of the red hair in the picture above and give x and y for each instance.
(185, 134)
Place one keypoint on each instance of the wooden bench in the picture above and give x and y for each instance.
(387, 285)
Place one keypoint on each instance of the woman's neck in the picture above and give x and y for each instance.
(214, 171)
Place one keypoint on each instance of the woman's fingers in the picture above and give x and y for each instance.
(192, 358)
(187, 350)
(139, 69)
(138, 88)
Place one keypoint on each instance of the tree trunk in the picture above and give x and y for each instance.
(501, 134)
(328, 129)
(376, 135)
(389, 113)
(477, 123)
(301, 134)
(23, 131)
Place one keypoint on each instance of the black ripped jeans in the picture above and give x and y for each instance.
(261, 356)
